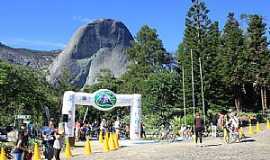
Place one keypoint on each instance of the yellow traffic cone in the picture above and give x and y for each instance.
(268, 124)
(115, 140)
(100, 137)
(111, 142)
(36, 155)
(258, 128)
(106, 145)
(3, 154)
(87, 148)
(241, 132)
(250, 129)
(107, 136)
(68, 153)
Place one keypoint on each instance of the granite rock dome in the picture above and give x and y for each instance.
(98, 45)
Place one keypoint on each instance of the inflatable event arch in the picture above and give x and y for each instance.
(103, 100)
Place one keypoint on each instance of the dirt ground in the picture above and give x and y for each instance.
(256, 147)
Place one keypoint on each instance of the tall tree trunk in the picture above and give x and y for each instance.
(262, 98)
(265, 98)
(237, 103)
(237, 99)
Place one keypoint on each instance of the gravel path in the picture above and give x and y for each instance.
(255, 148)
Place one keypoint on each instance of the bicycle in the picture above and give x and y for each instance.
(231, 136)
(167, 134)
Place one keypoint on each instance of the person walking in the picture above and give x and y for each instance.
(20, 147)
(48, 141)
(143, 135)
(199, 127)
(214, 125)
(58, 145)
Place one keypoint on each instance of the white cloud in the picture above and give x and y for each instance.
(35, 43)
(82, 19)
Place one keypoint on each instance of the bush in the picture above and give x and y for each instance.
(176, 124)
(189, 118)
(151, 122)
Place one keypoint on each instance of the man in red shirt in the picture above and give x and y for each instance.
(198, 123)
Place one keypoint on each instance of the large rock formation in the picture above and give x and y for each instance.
(98, 45)
(32, 58)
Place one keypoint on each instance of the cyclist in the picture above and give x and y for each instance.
(232, 126)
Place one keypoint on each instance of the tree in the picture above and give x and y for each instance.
(258, 56)
(22, 91)
(106, 80)
(147, 50)
(162, 95)
(214, 88)
(146, 55)
(195, 40)
(233, 56)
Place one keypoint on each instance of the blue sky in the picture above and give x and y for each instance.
(49, 24)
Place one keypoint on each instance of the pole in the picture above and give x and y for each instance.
(202, 92)
(192, 82)
(184, 96)
(85, 114)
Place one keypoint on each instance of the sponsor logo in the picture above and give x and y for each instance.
(105, 99)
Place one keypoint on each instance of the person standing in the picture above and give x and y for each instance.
(57, 145)
(20, 147)
(103, 126)
(143, 135)
(117, 126)
(48, 141)
(127, 129)
(77, 130)
(199, 127)
(214, 125)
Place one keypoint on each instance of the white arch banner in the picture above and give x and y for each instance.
(102, 100)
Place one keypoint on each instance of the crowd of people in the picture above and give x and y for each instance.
(217, 124)
(53, 138)
(87, 129)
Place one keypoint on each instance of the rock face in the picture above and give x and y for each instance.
(32, 58)
(98, 45)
